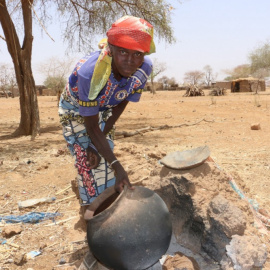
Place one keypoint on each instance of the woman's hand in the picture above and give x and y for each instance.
(121, 178)
(93, 158)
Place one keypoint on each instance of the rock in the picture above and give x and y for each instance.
(226, 217)
(256, 126)
(214, 243)
(179, 261)
(246, 252)
(89, 262)
(10, 230)
(62, 260)
(226, 263)
(225, 220)
(19, 259)
(155, 155)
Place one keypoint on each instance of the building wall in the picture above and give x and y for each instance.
(247, 86)
(49, 92)
(226, 85)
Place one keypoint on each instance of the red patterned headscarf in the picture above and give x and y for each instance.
(132, 33)
(128, 32)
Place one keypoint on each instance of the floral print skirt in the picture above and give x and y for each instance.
(90, 182)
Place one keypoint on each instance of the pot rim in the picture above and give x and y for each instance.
(102, 197)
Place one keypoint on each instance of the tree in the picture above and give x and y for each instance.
(172, 82)
(164, 80)
(55, 82)
(241, 71)
(81, 20)
(260, 62)
(208, 74)
(193, 77)
(158, 67)
(260, 59)
(7, 78)
(56, 71)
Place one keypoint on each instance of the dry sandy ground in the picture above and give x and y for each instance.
(41, 168)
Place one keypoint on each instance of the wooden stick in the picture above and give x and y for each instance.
(60, 191)
(52, 245)
(79, 241)
(13, 245)
(60, 221)
(72, 196)
(139, 181)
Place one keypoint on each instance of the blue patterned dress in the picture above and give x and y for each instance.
(74, 105)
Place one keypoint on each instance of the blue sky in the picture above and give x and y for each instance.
(208, 32)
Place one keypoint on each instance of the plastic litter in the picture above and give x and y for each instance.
(32, 217)
(32, 254)
(3, 241)
(32, 202)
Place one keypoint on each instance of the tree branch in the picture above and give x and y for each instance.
(40, 22)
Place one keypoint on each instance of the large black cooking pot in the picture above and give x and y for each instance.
(133, 232)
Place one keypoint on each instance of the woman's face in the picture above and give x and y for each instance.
(125, 62)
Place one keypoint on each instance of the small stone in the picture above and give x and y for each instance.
(255, 126)
(155, 154)
(62, 261)
(20, 259)
(179, 261)
(10, 230)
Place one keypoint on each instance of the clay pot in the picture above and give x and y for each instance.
(133, 232)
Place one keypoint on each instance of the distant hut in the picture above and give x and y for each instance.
(248, 85)
(222, 84)
(39, 89)
(49, 92)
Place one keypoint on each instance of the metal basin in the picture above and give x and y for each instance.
(133, 232)
(188, 159)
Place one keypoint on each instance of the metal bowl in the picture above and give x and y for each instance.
(133, 232)
(187, 159)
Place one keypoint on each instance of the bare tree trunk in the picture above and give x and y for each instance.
(257, 87)
(29, 123)
(153, 89)
(21, 56)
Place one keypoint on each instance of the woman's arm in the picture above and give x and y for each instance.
(98, 138)
(116, 112)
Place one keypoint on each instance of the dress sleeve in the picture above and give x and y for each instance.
(86, 107)
(140, 77)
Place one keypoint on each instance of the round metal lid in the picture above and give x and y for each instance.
(186, 159)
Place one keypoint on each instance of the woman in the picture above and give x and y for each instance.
(97, 93)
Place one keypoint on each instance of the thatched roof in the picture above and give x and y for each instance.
(247, 79)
